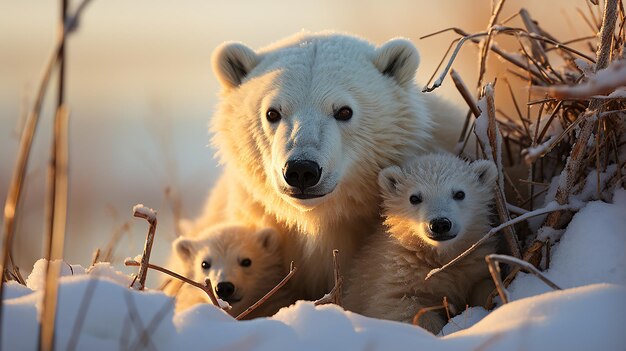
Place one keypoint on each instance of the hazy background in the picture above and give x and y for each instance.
(141, 91)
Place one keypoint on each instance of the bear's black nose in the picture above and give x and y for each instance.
(440, 226)
(302, 173)
(224, 290)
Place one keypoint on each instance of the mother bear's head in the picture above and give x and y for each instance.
(306, 124)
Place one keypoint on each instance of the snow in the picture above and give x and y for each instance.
(591, 251)
(589, 314)
(145, 212)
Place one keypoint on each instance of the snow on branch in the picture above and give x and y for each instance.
(603, 82)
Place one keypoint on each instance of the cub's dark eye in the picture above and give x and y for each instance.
(246, 262)
(272, 115)
(459, 195)
(343, 114)
(415, 199)
(206, 265)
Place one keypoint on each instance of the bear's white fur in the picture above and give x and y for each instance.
(387, 277)
(223, 250)
(306, 79)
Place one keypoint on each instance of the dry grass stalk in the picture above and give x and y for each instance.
(494, 135)
(485, 45)
(292, 271)
(207, 288)
(334, 296)
(493, 262)
(14, 193)
(95, 257)
(56, 238)
(149, 215)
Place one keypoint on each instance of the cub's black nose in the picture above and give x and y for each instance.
(440, 226)
(224, 290)
(302, 174)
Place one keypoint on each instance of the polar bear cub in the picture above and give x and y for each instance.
(243, 264)
(435, 207)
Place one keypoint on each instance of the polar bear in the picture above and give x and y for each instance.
(435, 207)
(243, 264)
(302, 129)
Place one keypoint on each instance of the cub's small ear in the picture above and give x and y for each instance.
(486, 171)
(184, 247)
(388, 179)
(232, 62)
(269, 239)
(397, 58)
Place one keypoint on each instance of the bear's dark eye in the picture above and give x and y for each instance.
(206, 265)
(246, 262)
(459, 195)
(343, 114)
(272, 115)
(415, 199)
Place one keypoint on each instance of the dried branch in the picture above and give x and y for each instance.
(552, 207)
(292, 271)
(150, 215)
(445, 305)
(496, 151)
(207, 288)
(334, 296)
(493, 261)
(485, 45)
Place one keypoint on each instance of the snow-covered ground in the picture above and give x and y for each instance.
(97, 311)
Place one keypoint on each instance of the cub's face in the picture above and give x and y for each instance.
(437, 200)
(304, 118)
(235, 259)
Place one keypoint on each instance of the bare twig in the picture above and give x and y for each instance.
(485, 45)
(95, 257)
(493, 134)
(207, 288)
(445, 305)
(494, 268)
(549, 208)
(334, 296)
(150, 215)
(292, 271)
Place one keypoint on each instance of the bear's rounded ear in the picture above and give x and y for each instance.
(486, 171)
(269, 239)
(388, 179)
(232, 62)
(397, 58)
(183, 247)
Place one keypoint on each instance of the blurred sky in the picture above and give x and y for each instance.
(141, 91)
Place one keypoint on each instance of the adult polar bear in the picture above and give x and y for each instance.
(302, 129)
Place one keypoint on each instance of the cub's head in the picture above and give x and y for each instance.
(242, 263)
(309, 121)
(438, 201)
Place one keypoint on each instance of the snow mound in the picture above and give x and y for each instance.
(591, 251)
(96, 312)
